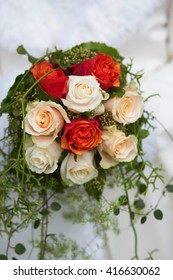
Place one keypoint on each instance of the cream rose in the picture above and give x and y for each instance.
(80, 170)
(41, 160)
(84, 94)
(116, 147)
(44, 120)
(127, 109)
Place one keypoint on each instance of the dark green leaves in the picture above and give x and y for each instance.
(55, 206)
(143, 133)
(16, 112)
(36, 224)
(142, 188)
(122, 200)
(95, 187)
(3, 257)
(143, 219)
(20, 249)
(116, 211)
(139, 204)
(93, 191)
(138, 165)
(169, 188)
(158, 214)
(44, 212)
(101, 47)
(21, 50)
(119, 91)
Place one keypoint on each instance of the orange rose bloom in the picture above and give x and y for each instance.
(81, 135)
(102, 66)
(54, 83)
(106, 71)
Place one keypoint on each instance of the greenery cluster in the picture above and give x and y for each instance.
(28, 200)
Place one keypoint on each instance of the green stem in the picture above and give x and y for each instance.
(130, 215)
(44, 226)
(41, 253)
(43, 237)
(32, 244)
(23, 139)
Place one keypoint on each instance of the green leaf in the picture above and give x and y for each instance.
(138, 165)
(122, 200)
(142, 188)
(14, 95)
(17, 112)
(42, 95)
(116, 211)
(6, 102)
(3, 257)
(143, 133)
(44, 212)
(143, 219)
(169, 188)
(43, 193)
(55, 206)
(21, 50)
(119, 91)
(94, 191)
(139, 204)
(36, 224)
(158, 214)
(14, 125)
(20, 249)
(100, 47)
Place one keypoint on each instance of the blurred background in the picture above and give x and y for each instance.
(142, 30)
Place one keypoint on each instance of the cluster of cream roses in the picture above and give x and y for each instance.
(45, 120)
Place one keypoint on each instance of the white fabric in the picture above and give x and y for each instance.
(56, 23)
(39, 24)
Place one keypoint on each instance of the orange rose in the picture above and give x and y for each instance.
(102, 66)
(81, 135)
(54, 83)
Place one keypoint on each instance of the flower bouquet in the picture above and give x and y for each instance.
(76, 125)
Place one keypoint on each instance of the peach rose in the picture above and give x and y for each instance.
(42, 160)
(127, 109)
(44, 120)
(116, 147)
(78, 170)
(84, 94)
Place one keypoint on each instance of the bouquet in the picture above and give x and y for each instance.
(76, 125)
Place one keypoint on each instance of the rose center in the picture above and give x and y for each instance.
(44, 119)
(127, 107)
(120, 148)
(83, 90)
(82, 173)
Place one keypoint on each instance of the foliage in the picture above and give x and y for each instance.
(27, 198)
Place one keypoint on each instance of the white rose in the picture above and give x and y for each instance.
(127, 109)
(44, 120)
(42, 160)
(80, 170)
(116, 147)
(84, 94)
